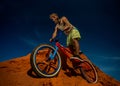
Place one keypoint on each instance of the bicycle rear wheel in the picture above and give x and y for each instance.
(88, 71)
(42, 64)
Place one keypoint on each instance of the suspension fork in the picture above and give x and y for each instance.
(54, 53)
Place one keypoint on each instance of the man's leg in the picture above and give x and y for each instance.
(76, 46)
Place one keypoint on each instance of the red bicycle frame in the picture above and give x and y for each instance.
(64, 50)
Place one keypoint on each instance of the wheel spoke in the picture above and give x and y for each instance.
(48, 69)
(53, 66)
(45, 68)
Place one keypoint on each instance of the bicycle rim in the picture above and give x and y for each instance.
(41, 63)
(89, 72)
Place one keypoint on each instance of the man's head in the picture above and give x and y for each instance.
(54, 17)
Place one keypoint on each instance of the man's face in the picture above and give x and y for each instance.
(54, 18)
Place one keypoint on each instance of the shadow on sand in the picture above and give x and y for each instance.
(32, 74)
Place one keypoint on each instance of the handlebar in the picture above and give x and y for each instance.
(54, 40)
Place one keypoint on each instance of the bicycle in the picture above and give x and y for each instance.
(46, 62)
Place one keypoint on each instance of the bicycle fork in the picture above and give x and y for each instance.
(52, 55)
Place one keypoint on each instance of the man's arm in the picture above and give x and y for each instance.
(54, 33)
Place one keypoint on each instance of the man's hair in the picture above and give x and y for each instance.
(53, 14)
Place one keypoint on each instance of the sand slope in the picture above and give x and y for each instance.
(18, 72)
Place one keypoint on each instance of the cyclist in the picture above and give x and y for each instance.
(73, 35)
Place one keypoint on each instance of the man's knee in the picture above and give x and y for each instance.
(75, 39)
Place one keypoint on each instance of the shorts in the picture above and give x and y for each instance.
(74, 33)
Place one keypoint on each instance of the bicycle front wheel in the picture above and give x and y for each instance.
(42, 64)
(88, 71)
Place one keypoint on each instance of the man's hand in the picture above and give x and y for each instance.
(51, 39)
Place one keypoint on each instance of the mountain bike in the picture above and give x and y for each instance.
(46, 62)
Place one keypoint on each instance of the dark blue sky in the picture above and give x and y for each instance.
(25, 24)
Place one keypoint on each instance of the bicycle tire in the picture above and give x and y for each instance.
(92, 73)
(34, 64)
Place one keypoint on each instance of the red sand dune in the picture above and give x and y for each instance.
(18, 72)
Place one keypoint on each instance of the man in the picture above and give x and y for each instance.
(73, 35)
